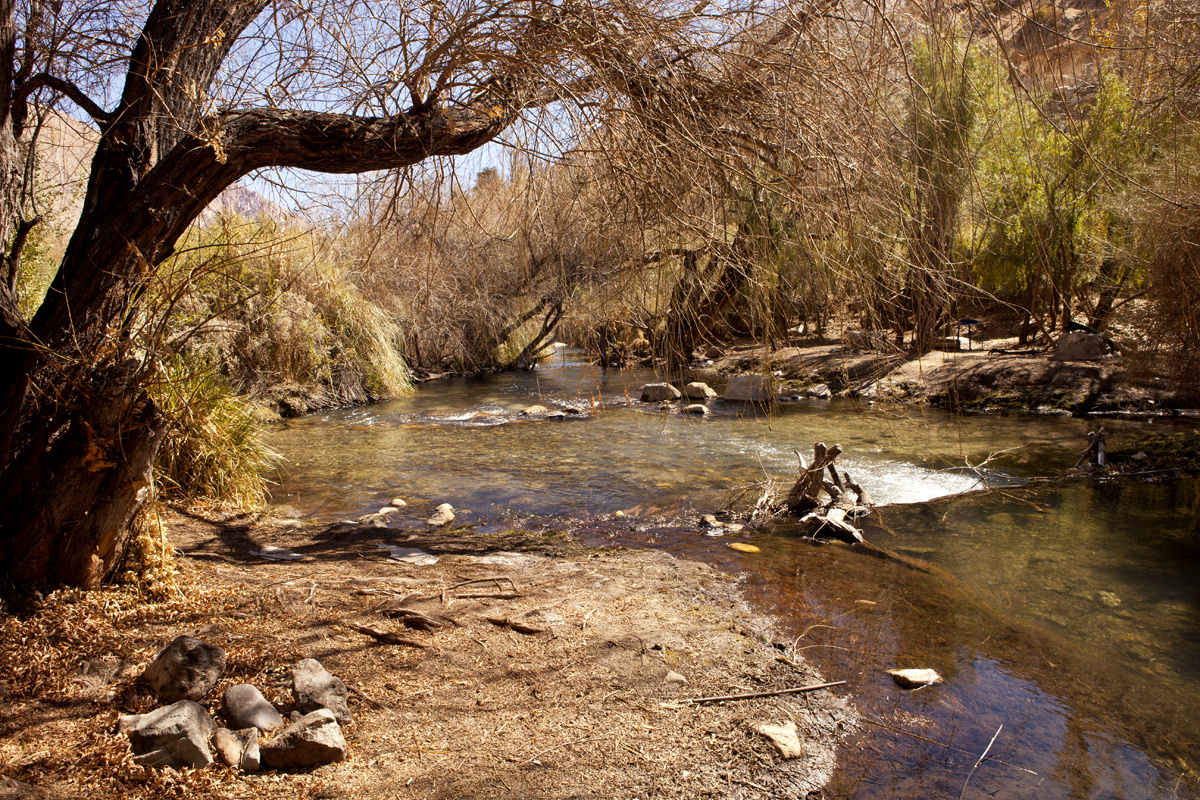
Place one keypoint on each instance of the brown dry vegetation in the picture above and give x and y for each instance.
(586, 707)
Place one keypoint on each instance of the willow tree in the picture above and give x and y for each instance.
(189, 96)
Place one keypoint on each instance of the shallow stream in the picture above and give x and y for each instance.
(1064, 616)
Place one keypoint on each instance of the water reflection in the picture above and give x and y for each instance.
(1066, 615)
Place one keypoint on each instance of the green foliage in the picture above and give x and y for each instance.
(213, 449)
(1050, 189)
(273, 307)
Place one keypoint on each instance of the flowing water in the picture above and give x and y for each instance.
(1065, 618)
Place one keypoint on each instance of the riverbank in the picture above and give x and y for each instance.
(993, 376)
(588, 695)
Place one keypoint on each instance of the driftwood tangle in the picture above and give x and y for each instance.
(823, 518)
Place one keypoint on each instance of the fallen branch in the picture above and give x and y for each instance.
(516, 625)
(416, 620)
(753, 695)
(495, 580)
(387, 637)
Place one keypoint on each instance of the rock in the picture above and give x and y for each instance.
(749, 389)
(251, 756)
(674, 677)
(272, 553)
(743, 547)
(409, 555)
(228, 747)
(734, 527)
(1109, 599)
(172, 736)
(864, 340)
(714, 352)
(245, 707)
(698, 391)
(573, 409)
(656, 392)
(442, 515)
(557, 416)
(314, 740)
(397, 503)
(279, 522)
(376, 520)
(951, 344)
(820, 391)
(914, 678)
(387, 510)
(186, 669)
(534, 411)
(784, 737)
(696, 409)
(314, 688)
(711, 521)
(1080, 346)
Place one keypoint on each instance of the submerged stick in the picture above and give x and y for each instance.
(753, 695)
(979, 761)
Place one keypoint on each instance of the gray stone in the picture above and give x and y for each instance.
(749, 389)
(655, 392)
(172, 736)
(314, 740)
(696, 408)
(398, 503)
(1080, 346)
(251, 756)
(245, 707)
(186, 669)
(375, 520)
(442, 515)
(228, 747)
(951, 344)
(820, 391)
(914, 678)
(714, 352)
(314, 688)
(698, 391)
(784, 737)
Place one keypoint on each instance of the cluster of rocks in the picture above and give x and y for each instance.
(740, 389)
(257, 736)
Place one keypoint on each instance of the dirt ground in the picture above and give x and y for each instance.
(561, 672)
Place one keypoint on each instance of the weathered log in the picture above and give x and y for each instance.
(810, 481)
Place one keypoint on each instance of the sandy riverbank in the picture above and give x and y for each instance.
(594, 704)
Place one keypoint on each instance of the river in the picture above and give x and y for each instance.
(1065, 617)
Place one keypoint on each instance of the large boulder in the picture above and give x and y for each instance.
(314, 688)
(749, 389)
(172, 736)
(698, 391)
(186, 669)
(313, 740)
(245, 707)
(1080, 346)
(656, 392)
